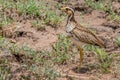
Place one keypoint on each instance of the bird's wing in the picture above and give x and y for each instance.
(85, 35)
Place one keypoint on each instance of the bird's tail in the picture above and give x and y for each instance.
(101, 43)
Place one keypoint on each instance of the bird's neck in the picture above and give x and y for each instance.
(70, 23)
(71, 18)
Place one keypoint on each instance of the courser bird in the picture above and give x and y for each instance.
(80, 33)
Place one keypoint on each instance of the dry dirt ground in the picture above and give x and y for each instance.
(95, 20)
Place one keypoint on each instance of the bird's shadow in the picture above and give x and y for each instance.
(83, 69)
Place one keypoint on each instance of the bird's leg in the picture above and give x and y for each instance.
(81, 57)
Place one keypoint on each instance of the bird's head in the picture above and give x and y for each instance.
(68, 10)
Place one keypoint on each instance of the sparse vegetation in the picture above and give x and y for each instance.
(104, 59)
(32, 9)
(38, 25)
(113, 16)
(61, 50)
(24, 59)
(4, 69)
(117, 69)
(104, 6)
(40, 64)
(52, 18)
(118, 41)
(5, 20)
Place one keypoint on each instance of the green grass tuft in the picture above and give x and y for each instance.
(117, 41)
(106, 7)
(104, 59)
(61, 50)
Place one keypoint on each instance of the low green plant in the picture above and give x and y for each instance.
(49, 73)
(113, 16)
(33, 9)
(61, 50)
(38, 63)
(106, 7)
(104, 59)
(5, 20)
(29, 7)
(52, 18)
(38, 25)
(99, 5)
(117, 41)
(94, 5)
(4, 69)
(116, 71)
(6, 4)
(43, 66)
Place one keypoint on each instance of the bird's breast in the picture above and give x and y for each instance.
(69, 27)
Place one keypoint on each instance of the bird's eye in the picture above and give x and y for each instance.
(67, 9)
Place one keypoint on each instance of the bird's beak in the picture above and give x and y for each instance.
(62, 9)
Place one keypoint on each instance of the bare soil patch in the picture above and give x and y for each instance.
(43, 39)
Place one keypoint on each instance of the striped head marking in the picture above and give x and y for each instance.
(67, 10)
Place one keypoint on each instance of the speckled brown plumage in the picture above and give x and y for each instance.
(86, 36)
(79, 32)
